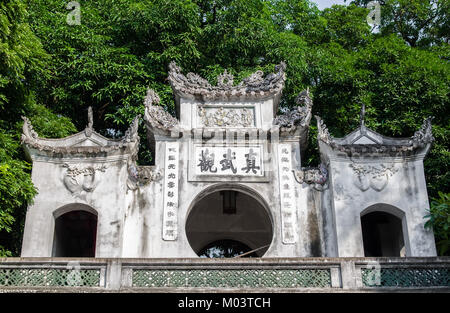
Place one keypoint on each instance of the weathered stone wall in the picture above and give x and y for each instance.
(148, 218)
(362, 184)
(106, 200)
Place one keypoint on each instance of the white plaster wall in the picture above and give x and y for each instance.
(107, 199)
(406, 190)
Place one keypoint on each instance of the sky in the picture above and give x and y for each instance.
(322, 4)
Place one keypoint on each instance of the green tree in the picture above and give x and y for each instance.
(418, 22)
(439, 221)
(347, 26)
(22, 66)
(400, 86)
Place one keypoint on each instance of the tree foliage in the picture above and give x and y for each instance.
(439, 221)
(22, 65)
(417, 22)
(52, 71)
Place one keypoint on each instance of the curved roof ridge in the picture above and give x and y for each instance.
(255, 86)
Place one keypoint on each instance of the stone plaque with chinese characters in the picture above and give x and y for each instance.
(229, 161)
(170, 219)
(287, 195)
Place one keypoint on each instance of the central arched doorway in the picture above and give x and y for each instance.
(229, 222)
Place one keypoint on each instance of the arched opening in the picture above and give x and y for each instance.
(75, 234)
(226, 249)
(382, 232)
(228, 223)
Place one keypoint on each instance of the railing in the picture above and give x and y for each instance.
(268, 274)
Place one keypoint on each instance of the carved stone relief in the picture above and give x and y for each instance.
(81, 180)
(372, 176)
(225, 80)
(317, 177)
(142, 175)
(226, 117)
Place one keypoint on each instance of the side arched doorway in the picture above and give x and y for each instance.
(382, 231)
(75, 231)
(228, 222)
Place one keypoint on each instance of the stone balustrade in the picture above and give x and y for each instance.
(227, 275)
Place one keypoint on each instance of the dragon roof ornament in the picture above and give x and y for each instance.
(256, 86)
(299, 116)
(158, 120)
(389, 146)
(424, 135)
(131, 135)
(74, 143)
(323, 133)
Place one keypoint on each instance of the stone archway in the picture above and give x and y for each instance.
(75, 231)
(229, 221)
(383, 231)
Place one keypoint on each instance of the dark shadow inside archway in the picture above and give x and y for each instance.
(226, 249)
(75, 234)
(382, 235)
(229, 223)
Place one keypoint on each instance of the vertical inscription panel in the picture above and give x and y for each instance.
(170, 218)
(287, 195)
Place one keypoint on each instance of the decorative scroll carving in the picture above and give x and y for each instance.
(255, 86)
(317, 177)
(255, 79)
(225, 80)
(226, 117)
(371, 176)
(298, 116)
(155, 115)
(148, 174)
(79, 180)
(142, 175)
